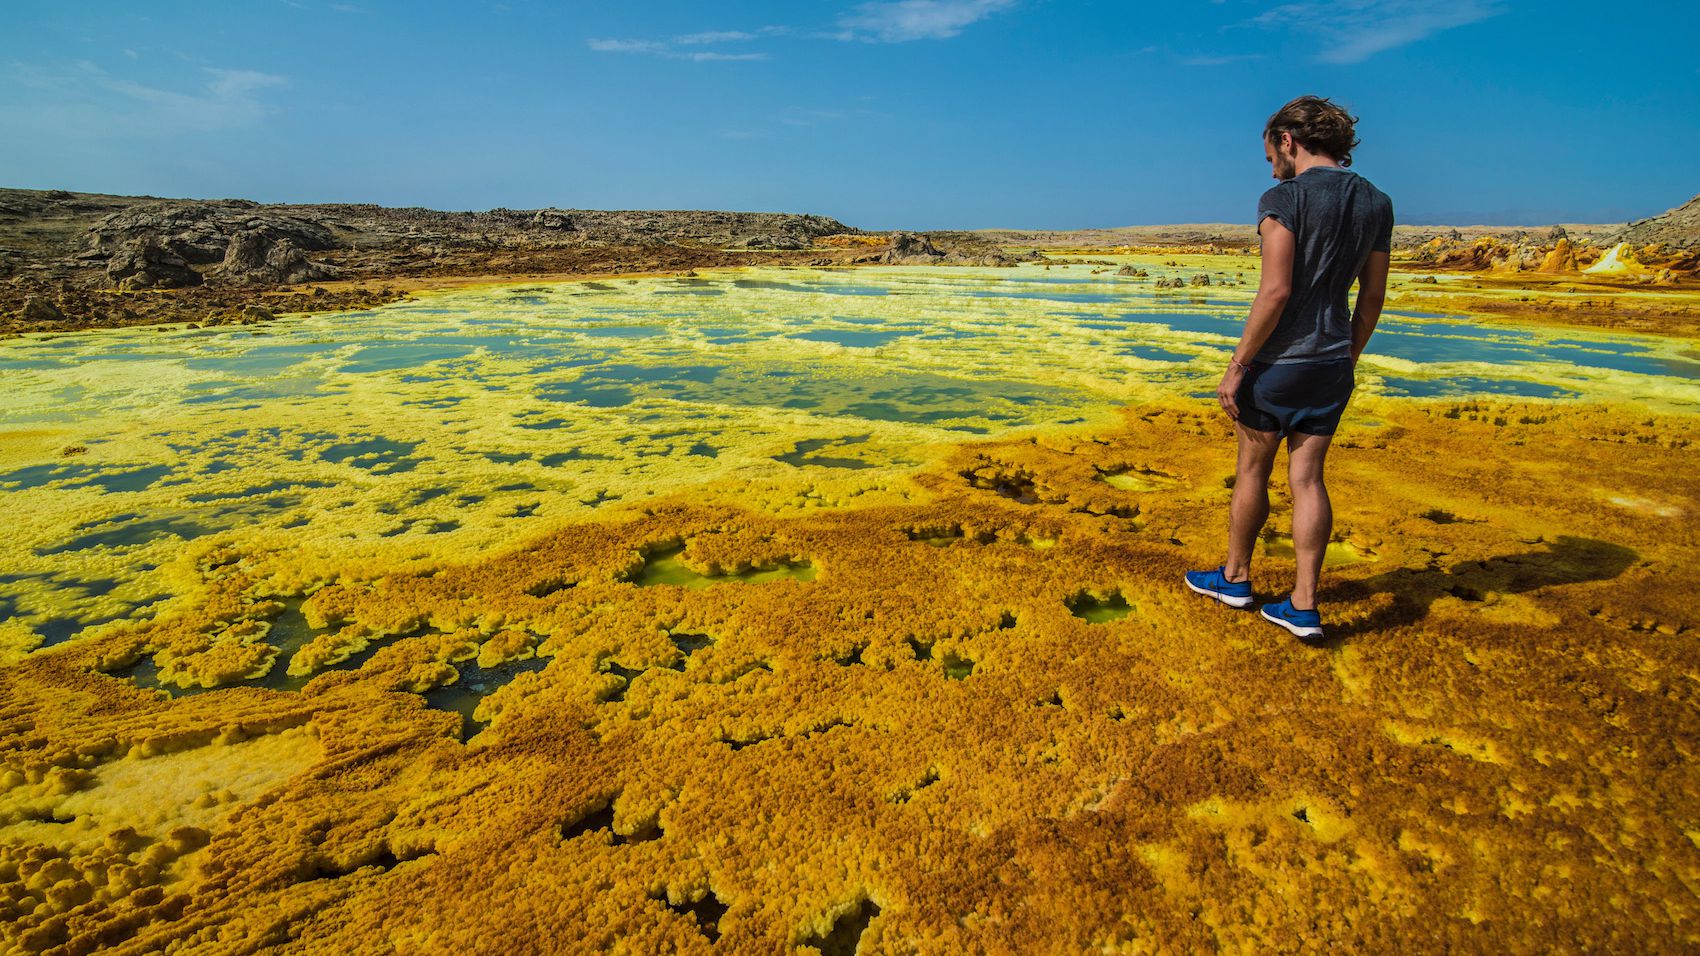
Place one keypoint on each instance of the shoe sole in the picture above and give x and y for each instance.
(1298, 630)
(1228, 599)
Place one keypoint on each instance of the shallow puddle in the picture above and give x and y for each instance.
(1156, 354)
(668, 567)
(288, 632)
(1337, 553)
(852, 338)
(474, 684)
(807, 453)
(1137, 479)
(1472, 385)
(1096, 610)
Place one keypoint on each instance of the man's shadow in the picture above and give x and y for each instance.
(1569, 560)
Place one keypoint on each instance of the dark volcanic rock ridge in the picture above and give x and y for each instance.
(213, 258)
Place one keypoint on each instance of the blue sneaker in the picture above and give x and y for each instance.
(1305, 625)
(1215, 584)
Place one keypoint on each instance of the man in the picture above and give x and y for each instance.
(1323, 226)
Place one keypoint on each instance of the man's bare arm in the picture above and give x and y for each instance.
(1372, 295)
(1274, 288)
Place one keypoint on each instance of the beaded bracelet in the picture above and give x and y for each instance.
(1235, 361)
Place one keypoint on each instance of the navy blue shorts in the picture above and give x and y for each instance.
(1303, 397)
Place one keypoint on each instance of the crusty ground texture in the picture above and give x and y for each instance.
(927, 747)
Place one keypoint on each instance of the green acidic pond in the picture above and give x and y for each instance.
(459, 421)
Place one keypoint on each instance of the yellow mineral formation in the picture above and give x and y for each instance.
(1619, 260)
(755, 684)
(1560, 259)
(988, 718)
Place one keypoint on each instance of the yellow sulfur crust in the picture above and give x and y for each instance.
(920, 743)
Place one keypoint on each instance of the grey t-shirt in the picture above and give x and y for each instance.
(1337, 218)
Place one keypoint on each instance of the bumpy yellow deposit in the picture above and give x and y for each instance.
(490, 629)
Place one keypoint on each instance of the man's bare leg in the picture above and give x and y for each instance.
(1313, 515)
(1250, 507)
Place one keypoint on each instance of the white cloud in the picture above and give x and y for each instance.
(711, 57)
(85, 101)
(713, 36)
(626, 46)
(1355, 30)
(231, 86)
(899, 21)
(666, 49)
(886, 21)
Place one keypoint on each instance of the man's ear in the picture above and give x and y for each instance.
(1287, 142)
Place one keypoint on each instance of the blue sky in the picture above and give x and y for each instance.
(914, 113)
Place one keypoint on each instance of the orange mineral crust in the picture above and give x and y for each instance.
(987, 718)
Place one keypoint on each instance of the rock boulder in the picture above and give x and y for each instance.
(553, 219)
(146, 264)
(38, 310)
(907, 248)
(256, 257)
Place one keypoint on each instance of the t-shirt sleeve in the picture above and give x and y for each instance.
(1384, 235)
(1279, 203)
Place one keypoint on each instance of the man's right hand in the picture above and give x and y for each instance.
(1227, 393)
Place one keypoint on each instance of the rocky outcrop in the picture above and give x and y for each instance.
(200, 233)
(551, 219)
(947, 248)
(158, 245)
(1677, 229)
(243, 315)
(40, 311)
(144, 243)
(255, 257)
(908, 249)
(725, 229)
(774, 242)
(145, 263)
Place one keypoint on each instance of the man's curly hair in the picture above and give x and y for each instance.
(1318, 124)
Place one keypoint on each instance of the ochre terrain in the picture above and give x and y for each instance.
(978, 714)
